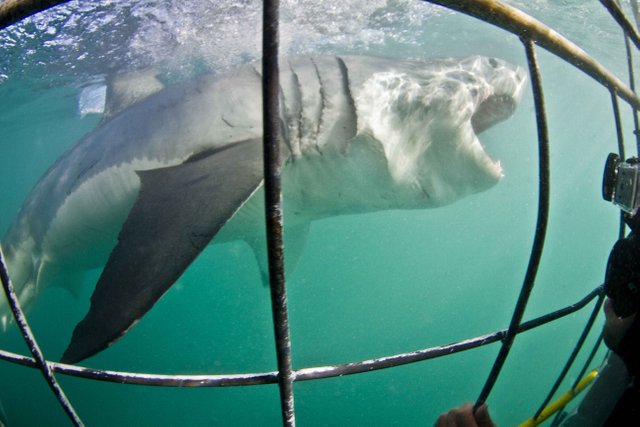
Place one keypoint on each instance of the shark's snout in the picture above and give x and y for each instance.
(506, 84)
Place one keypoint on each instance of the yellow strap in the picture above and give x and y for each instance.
(561, 402)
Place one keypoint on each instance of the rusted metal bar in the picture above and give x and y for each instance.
(621, 150)
(617, 14)
(39, 360)
(636, 12)
(435, 352)
(273, 206)
(541, 224)
(305, 373)
(523, 25)
(12, 11)
(632, 85)
(636, 15)
(618, 122)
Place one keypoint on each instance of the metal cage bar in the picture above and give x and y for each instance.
(587, 362)
(632, 86)
(273, 206)
(303, 374)
(618, 15)
(618, 123)
(38, 357)
(621, 150)
(572, 357)
(541, 223)
(630, 33)
(12, 11)
(560, 415)
(519, 23)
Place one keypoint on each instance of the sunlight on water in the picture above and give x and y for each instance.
(366, 286)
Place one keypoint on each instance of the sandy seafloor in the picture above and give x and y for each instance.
(366, 286)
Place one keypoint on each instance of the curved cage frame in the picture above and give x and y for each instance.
(532, 33)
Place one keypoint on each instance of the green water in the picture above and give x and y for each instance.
(366, 286)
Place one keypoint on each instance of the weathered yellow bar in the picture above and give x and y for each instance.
(519, 23)
(12, 11)
(561, 402)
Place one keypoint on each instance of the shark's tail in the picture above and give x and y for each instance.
(30, 272)
(23, 273)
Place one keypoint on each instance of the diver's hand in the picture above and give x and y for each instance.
(464, 417)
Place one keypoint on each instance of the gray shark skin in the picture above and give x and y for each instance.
(156, 181)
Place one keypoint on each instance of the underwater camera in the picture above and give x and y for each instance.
(622, 280)
(620, 183)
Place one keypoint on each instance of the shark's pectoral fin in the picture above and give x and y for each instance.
(295, 238)
(177, 213)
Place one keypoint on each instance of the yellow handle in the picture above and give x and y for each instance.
(561, 402)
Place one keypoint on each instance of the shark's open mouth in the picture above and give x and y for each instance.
(490, 112)
(493, 110)
(507, 83)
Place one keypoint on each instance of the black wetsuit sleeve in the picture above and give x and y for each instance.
(627, 409)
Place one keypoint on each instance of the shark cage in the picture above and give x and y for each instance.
(533, 34)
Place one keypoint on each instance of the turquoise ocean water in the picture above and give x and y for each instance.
(366, 286)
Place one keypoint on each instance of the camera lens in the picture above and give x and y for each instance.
(609, 177)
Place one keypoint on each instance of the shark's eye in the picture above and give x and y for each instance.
(493, 62)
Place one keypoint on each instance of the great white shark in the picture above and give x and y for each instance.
(162, 174)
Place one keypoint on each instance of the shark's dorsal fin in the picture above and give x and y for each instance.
(177, 213)
(125, 90)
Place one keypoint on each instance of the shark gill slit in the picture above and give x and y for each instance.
(298, 95)
(353, 116)
(322, 107)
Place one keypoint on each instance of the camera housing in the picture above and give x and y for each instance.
(620, 183)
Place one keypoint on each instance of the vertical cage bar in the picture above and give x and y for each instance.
(632, 86)
(562, 414)
(572, 357)
(618, 121)
(635, 11)
(34, 348)
(273, 206)
(620, 138)
(587, 362)
(617, 14)
(541, 225)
